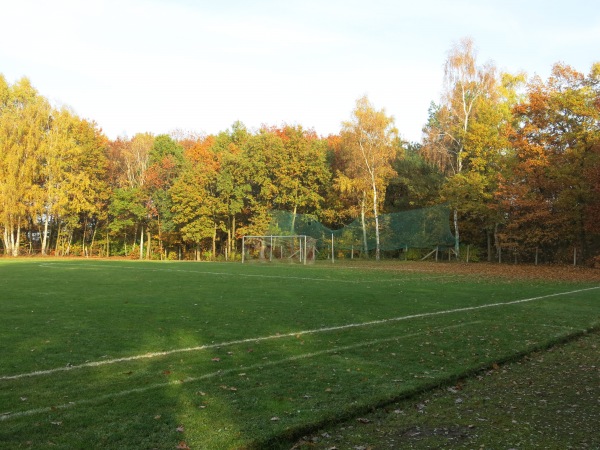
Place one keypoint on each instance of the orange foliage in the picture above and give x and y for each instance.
(201, 153)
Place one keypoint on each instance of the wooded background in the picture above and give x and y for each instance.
(517, 159)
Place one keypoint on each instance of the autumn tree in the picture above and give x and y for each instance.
(165, 160)
(446, 133)
(233, 179)
(72, 186)
(23, 123)
(196, 207)
(88, 190)
(134, 160)
(592, 212)
(547, 195)
(369, 144)
(299, 170)
(467, 138)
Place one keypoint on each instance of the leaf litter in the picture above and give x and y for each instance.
(548, 399)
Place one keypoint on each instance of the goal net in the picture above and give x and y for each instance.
(296, 248)
(427, 228)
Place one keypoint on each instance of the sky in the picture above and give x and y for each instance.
(199, 66)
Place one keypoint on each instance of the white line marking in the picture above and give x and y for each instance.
(280, 336)
(31, 412)
(246, 275)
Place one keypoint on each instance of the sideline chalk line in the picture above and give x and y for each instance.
(246, 275)
(286, 335)
(31, 412)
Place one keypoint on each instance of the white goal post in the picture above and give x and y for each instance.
(292, 248)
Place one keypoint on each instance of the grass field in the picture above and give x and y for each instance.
(119, 354)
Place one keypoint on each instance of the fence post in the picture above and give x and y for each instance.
(332, 252)
(243, 248)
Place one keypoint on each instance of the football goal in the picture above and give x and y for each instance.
(296, 248)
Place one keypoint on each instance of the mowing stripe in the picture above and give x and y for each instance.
(286, 335)
(31, 412)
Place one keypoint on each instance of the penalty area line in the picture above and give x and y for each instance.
(258, 366)
(282, 336)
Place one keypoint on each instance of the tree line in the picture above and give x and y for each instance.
(516, 159)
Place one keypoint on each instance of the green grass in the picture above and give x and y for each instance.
(545, 400)
(254, 355)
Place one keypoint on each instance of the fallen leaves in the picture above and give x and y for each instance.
(507, 271)
(228, 388)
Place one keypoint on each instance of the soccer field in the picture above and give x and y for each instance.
(124, 354)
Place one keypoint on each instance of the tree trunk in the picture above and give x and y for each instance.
(45, 236)
(68, 251)
(294, 219)
(364, 227)
(214, 242)
(456, 234)
(85, 253)
(228, 248)
(148, 242)
(160, 242)
(5, 239)
(497, 241)
(18, 238)
(233, 248)
(489, 244)
(12, 237)
(93, 240)
(56, 246)
(142, 243)
(376, 213)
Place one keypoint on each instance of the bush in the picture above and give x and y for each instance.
(474, 253)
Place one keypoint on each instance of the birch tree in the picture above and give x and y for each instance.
(369, 140)
(135, 160)
(23, 117)
(446, 133)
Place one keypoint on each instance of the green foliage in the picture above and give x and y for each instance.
(520, 169)
(165, 147)
(417, 183)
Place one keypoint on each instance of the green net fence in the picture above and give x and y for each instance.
(419, 228)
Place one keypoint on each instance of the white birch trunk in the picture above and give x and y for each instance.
(142, 243)
(364, 228)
